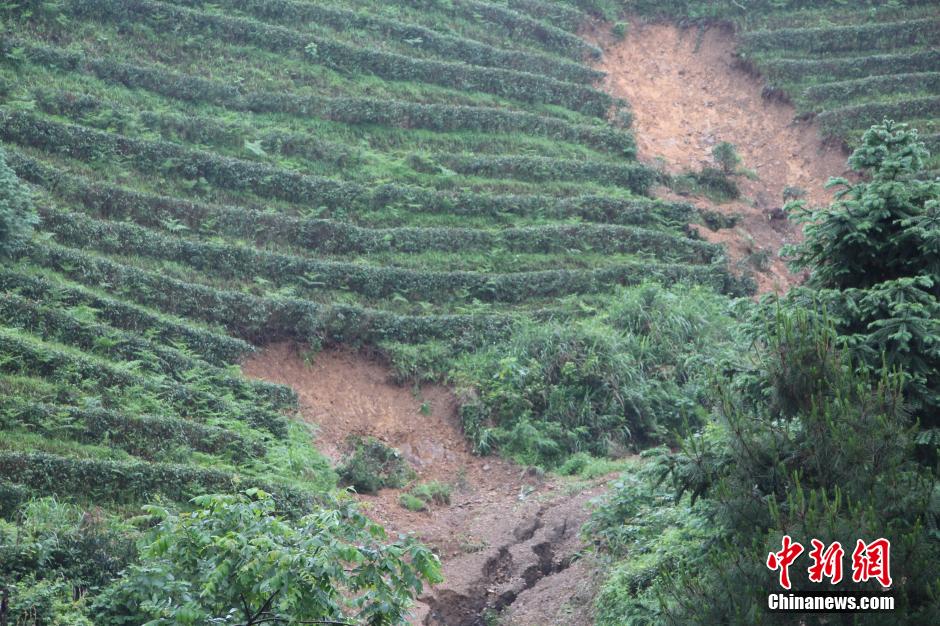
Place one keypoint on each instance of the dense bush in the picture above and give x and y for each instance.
(276, 182)
(239, 262)
(27, 355)
(845, 90)
(814, 432)
(851, 38)
(144, 436)
(121, 482)
(114, 202)
(781, 70)
(554, 390)
(372, 465)
(53, 324)
(839, 121)
(237, 555)
(350, 110)
(516, 25)
(635, 177)
(17, 217)
(53, 555)
(215, 348)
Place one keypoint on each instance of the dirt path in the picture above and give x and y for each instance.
(688, 93)
(508, 540)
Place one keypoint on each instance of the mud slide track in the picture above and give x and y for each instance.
(689, 92)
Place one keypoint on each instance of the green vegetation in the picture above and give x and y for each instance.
(235, 558)
(442, 182)
(421, 178)
(423, 496)
(726, 157)
(374, 465)
(17, 217)
(823, 425)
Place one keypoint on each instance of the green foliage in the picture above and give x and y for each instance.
(338, 55)
(413, 503)
(374, 465)
(726, 157)
(709, 181)
(875, 255)
(54, 553)
(421, 177)
(553, 390)
(812, 433)
(619, 30)
(235, 560)
(17, 216)
(433, 492)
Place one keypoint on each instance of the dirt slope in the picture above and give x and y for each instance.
(506, 533)
(688, 93)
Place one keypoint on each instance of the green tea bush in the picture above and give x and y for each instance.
(215, 348)
(779, 70)
(290, 13)
(522, 86)
(837, 122)
(17, 217)
(122, 482)
(351, 110)
(851, 38)
(374, 465)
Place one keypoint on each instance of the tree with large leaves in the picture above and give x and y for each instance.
(234, 560)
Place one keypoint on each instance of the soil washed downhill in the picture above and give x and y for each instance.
(689, 92)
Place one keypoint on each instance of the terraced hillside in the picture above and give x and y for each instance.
(848, 64)
(211, 177)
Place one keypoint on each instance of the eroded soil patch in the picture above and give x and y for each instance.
(689, 92)
(506, 531)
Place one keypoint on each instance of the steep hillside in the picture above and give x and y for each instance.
(418, 178)
(448, 187)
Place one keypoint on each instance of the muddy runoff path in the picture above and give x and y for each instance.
(509, 540)
(689, 92)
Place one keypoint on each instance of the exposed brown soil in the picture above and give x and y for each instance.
(689, 92)
(505, 530)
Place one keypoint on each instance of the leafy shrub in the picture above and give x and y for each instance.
(586, 466)
(619, 30)
(17, 217)
(553, 390)
(374, 465)
(726, 157)
(413, 503)
(432, 492)
(223, 559)
(711, 182)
